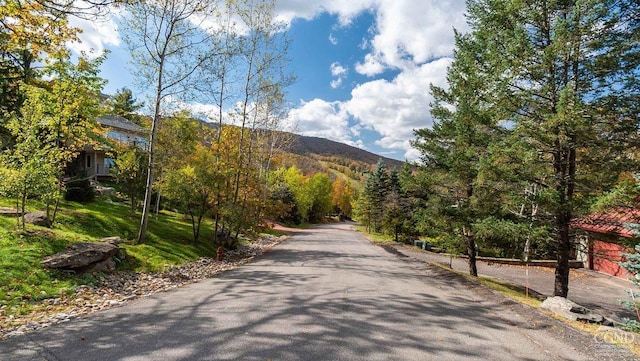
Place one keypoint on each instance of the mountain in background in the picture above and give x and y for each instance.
(313, 155)
(303, 145)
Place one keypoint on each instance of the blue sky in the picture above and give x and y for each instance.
(363, 67)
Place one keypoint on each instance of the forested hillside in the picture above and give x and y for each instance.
(314, 154)
(328, 149)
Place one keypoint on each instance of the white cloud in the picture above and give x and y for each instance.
(412, 155)
(319, 118)
(395, 108)
(406, 31)
(96, 35)
(333, 40)
(204, 111)
(364, 44)
(287, 10)
(337, 69)
(407, 36)
(370, 67)
(339, 72)
(416, 31)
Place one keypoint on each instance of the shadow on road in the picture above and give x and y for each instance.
(309, 302)
(367, 327)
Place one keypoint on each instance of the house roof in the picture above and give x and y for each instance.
(622, 222)
(118, 122)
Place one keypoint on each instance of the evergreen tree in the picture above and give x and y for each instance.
(567, 72)
(383, 205)
(456, 145)
(397, 211)
(124, 104)
(376, 190)
(369, 209)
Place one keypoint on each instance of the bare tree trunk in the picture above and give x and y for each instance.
(19, 213)
(157, 207)
(161, 34)
(469, 238)
(55, 210)
(144, 221)
(561, 285)
(565, 169)
(471, 251)
(22, 210)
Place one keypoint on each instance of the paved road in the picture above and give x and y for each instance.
(326, 294)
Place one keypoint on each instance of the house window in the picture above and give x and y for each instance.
(109, 163)
(88, 161)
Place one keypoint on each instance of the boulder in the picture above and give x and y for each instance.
(84, 257)
(113, 240)
(121, 255)
(9, 212)
(105, 191)
(37, 218)
(108, 265)
(573, 311)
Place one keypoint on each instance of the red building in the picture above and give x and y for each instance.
(608, 236)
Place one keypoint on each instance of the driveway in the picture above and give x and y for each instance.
(597, 291)
(325, 294)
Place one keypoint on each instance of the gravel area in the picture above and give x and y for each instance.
(118, 288)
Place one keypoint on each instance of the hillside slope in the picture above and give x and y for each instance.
(307, 146)
(314, 155)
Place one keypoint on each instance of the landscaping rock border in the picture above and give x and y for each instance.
(118, 288)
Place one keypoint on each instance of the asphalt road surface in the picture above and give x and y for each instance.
(325, 294)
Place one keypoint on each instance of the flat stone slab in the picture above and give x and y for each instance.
(573, 311)
(9, 212)
(82, 257)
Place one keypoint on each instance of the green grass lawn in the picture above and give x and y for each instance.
(23, 280)
(376, 238)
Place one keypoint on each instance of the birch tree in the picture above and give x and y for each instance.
(167, 40)
(263, 57)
